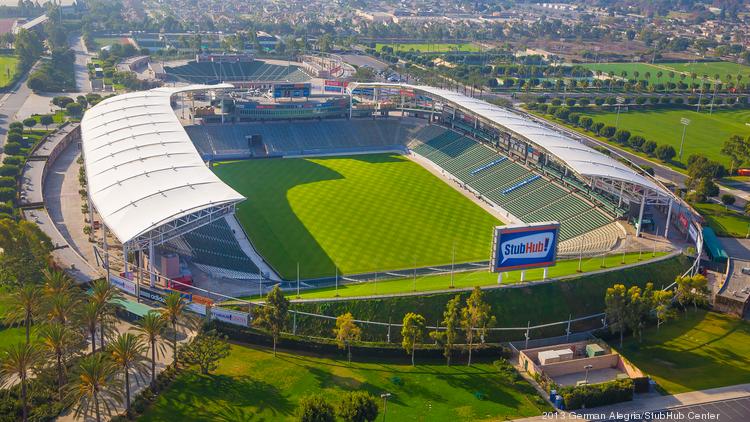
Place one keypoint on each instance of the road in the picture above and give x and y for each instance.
(83, 83)
(10, 103)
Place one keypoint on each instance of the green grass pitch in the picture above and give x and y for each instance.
(8, 66)
(359, 214)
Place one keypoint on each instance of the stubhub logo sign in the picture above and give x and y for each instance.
(525, 246)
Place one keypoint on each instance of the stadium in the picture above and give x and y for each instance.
(217, 191)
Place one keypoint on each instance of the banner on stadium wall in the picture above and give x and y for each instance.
(692, 232)
(337, 89)
(123, 284)
(407, 92)
(198, 308)
(523, 246)
(229, 316)
(683, 220)
(341, 84)
(159, 295)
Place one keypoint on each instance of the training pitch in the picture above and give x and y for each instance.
(363, 213)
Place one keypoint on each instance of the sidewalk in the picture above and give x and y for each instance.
(652, 403)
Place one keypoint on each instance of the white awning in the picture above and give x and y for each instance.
(142, 168)
(578, 157)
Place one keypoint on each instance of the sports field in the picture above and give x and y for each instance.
(698, 350)
(7, 69)
(431, 47)
(705, 135)
(359, 214)
(727, 71)
(251, 384)
(725, 222)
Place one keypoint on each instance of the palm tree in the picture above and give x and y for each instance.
(151, 328)
(58, 341)
(174, 313)
(17, 362)
(24, 306)
(58, 307)
(89, 319)
(96, 387)
(104, 295)
(127, 351)
(56, 282)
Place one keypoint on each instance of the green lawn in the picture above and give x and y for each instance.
(105, 41)
(697, 351)
(726, 223)
(704, 136)
(469, 279)
(253, 385)
(358, 214)
(700, 69)
(432, 47)
(7, 69)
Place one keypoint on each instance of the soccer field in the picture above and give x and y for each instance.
(359, 214)
(705, 135)
(431, 47)
(727, 71)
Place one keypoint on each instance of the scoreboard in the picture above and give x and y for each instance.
(291, 90)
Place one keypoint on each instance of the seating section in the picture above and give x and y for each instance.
(215, 245)
(230, 141)
(523, 193)
(210, 72)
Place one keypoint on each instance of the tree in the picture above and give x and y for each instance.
(206, 350)
(272, 316)
(15, 127)
(476, 318)
(451, 322)
(358, 406)
(17, 363)
(24, 307)
(96, 387)
(74, 109)
(665, 152)
(616, 309)
(637, 308)
(105, 295)
(315, 408)
(46, 120)
(151, 329)
(649, 147)
(25, 248)
(61, 101)
(412, 333)
(737, 149)
(346, 332)
(89, 319)
(29, 122)
(127, 352)
(174, 312)
(59, 341)
(662, 305)
(728, 199)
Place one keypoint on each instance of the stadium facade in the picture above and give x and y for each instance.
(149, 183)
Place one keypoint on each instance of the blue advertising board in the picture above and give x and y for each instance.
(522, 246)
(291, 90)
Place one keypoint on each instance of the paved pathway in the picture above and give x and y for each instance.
(83, 83)
(651, 403)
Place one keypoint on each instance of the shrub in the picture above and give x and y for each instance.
(585, 122)
(597, 126)
(9, 170)
(726, 199)
(648, 169)
(597, 394)
(611, 101)
(653, 100)
(692, 100)
(649, 147)
(15, 137)
(665, 100)
(12, 148)
(599, 101)
(358, 406)
(570, 102)
(583, 102)
(641, 100)
(74, 109)
(679, 101)
(12, 159)
(556, 102)
(315, 408)
(622, 136)
(7, 194)
(542, 108)
(29, 122)
(16, 126)
(562, 113)
(574, 118)
(636, 142)
(7, 182)
(607, 131)
(665, 152)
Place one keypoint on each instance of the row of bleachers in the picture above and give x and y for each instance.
(210, 72)
(215, 244)
(517, 189)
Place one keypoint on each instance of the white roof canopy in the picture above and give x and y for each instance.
(578, 157)
(142, 168)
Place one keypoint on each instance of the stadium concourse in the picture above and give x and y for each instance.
(173, 218)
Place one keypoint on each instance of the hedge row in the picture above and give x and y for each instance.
(676, 101)
(620, 136)
(594, 395)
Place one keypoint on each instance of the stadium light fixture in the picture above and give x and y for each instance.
(684, 122)
(385, 397)
(620, 102)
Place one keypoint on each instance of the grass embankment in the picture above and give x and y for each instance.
(512, 307)
(251, 384)
(698, 350)
(359, 214)
(469, 279)
(725, 222)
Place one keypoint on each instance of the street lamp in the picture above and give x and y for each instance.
(685, 122)
(587, 368)
(385, 396)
